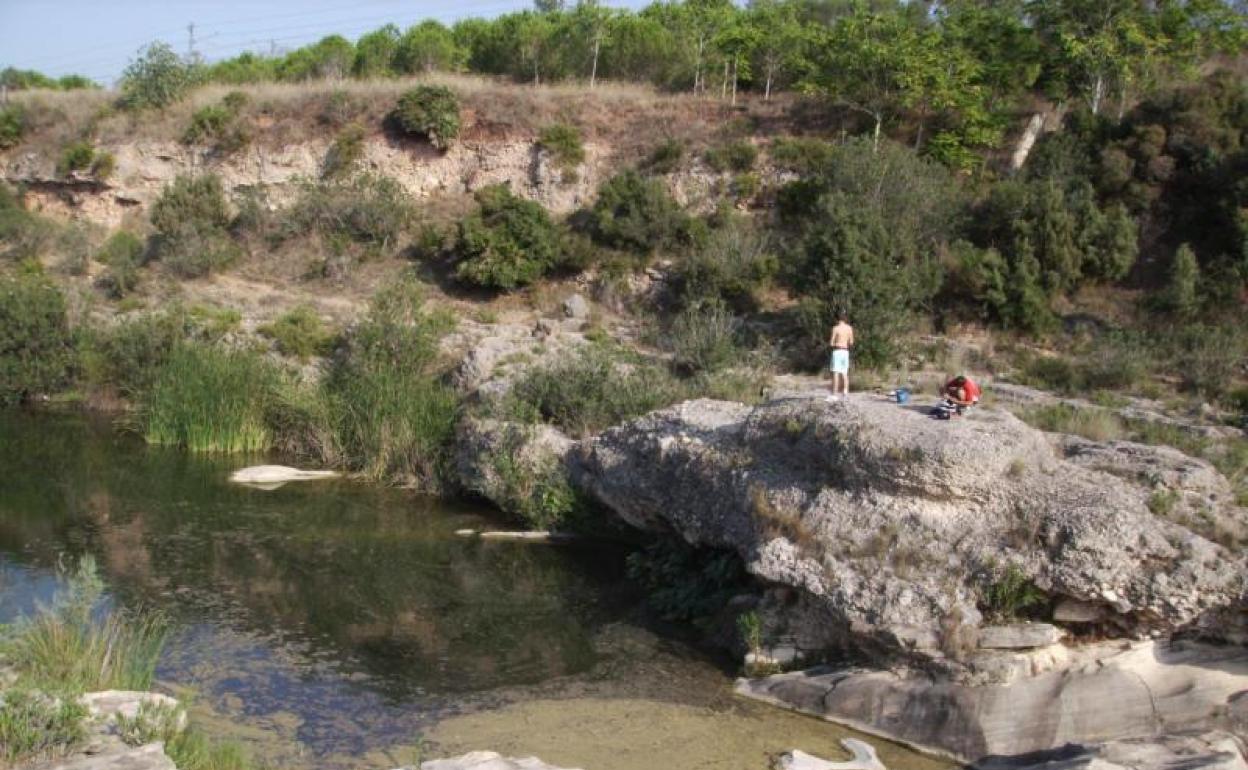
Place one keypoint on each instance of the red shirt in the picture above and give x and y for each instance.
(970, 390)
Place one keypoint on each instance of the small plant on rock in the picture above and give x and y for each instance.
(563, 142)
(1012, 594)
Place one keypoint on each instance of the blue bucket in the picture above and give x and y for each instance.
(903, 395)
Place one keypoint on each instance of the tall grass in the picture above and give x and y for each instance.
(189, 748)
(71, 647)
(210, 399)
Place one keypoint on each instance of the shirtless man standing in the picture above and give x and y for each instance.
(841, 341)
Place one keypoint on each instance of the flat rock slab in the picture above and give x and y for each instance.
(278, 474)
(110, 703)
(864, 759)
(1146, 690)
(149, 757)
(1018, 636)
(488, 760)
(1209, 751)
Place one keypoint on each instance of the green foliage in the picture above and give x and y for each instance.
(738, 156)
(392, 415)
(589, 390)
(563, 142)
(36, 346)
(704, 338)
(122, 254)
(12, 125)
(431, 112)
(1011, 594)
(219, 125)
(71, 647)
(373, 211)
(301, 333)
(507, 242)
(683, 583)
(207, 398)
(750, 626)
(76, 156)
(344, 153)
(802, 155)
(536, 491)
(666, 158)
(131, 354)
(1181, 289)
(192, 750)
(35, 727)
(103, 166)
(636, 213)
(191, 217)
(157, 77)
(734, 263)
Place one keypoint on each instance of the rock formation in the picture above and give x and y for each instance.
(487, 760)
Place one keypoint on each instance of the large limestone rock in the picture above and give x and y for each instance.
(487, 760)
(1202, 751)
(1106, 693)
(891, 524)
(149, 757)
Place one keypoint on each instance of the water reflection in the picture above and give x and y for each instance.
(345, 615)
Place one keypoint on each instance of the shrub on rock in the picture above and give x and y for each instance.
(431, 112)
(507, 242)
(638, 214)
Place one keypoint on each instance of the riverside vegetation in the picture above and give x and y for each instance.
(73, 647)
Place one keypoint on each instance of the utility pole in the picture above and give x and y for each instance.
(190, 41)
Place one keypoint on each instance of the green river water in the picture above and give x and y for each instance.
(343, 625)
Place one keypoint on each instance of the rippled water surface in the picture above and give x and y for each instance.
(335, 624)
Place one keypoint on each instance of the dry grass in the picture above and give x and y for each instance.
(630, 118)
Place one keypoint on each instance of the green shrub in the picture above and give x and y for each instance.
(344, 153)
(393, 417)
(1011, 595)
(737, 156)
(157, 77)
(507, 242)
(122, 254)
(35, 727)
(431, 112)
(734, 264)
(36, 346)
(683, 583)
(370, 210)
(1094, 424)
(71, 647)
(12, 125)
(195, 201)
(191, 217)
(636, 213)
(301, 333)
(103, 166)
(131, 354)
(590, 390)
(1181, 296)
(746, 186)
(806, 157)
(703, 338)
(538, 493)
(220, 125)
(76, 156)
(207, 122)
(208, 398)
(563, 142)
(666, 158)
(73, 244)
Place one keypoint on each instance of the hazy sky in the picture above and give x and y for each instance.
(97, 38)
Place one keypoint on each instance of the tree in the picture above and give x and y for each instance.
(375, 53)
(591, 22)
(1181, 290)
(157, 77)
(780, 41)
(735, 41)
(428, 47)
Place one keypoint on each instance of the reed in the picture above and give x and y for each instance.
(73, 647)
(211, 399)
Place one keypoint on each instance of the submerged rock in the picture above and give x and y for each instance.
(864, 759)
(277, 474)
(488, 760)
(1104, 692)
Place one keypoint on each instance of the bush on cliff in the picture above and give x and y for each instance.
(191, 218)
(121, 254)
(431, 112)
(157, 77)
(12, 125)
(507, 242)
(37, 353)
(637, 213)
(371, 211)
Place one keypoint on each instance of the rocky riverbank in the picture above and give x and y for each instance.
(1007, 591)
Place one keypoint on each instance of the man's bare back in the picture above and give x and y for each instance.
(842, 336)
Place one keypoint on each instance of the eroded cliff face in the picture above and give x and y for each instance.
(143, 169)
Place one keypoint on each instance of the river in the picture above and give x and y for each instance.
(343, 625)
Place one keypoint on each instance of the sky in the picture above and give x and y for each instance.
(97, 38)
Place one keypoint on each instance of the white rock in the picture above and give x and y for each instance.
(1018, 636)
(864, 759)
(277, 474)
(488, 760)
